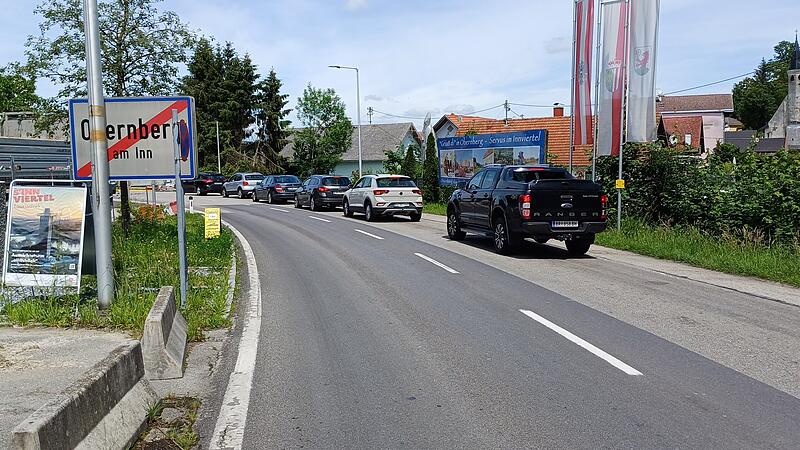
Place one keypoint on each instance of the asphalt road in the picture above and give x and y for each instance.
(372, 339)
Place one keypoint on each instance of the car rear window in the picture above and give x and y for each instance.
(253, 177)
(289, 179)
(395, 182)
(335, 181)
(525, 175)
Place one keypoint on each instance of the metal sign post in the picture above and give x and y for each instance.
(176, 143)
(101, 200)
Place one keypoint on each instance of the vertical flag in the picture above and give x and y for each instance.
(612, 76)
(582, 76)
(642, 63)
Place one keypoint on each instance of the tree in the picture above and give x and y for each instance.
(410, 165)
(17, 89)
(393, 161)
(757, 98)
(141, 48)
(326, 132)
(272, 126)
(204, 83)
(430, 172)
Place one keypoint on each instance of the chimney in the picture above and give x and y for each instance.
(558, 111)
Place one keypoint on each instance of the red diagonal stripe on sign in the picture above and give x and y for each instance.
(123, 144)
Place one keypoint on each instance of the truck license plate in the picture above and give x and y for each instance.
(565, 224)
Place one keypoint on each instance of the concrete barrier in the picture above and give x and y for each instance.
(164, 338)
(106, 408)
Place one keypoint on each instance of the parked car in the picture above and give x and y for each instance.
(321, 191)
(276, 188)
(511, 203)
(204, 183)
(241, 184)
(384, 195)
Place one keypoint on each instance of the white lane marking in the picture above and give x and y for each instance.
(368, 234)
(229, 429)
(436, 263)
(580, 342)
(279, 209)
(319, 218)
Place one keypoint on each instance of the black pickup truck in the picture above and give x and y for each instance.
(510, 203)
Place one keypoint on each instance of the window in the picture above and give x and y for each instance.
(267, 180)
(475, 182)
(364, 183)
(237, 177)
(286, 179)
(305, 183)
(313, 182)
(395, 182)
(526, 175)
(254, 177)
(336, 181)
(489, 179)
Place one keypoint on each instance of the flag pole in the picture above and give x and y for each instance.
(598, 56)
(623, 111)
(572, 85)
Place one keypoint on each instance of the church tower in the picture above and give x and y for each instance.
(793, 101)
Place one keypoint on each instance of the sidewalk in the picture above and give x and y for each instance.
(38, 363)
(752, 286)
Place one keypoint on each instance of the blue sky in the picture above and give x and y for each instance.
(459, 56)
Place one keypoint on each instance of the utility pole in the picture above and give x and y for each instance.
(101, 201)
(506, 107)
(369, 113)
(219, 160)
(358, 105)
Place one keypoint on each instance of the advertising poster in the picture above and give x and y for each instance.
(44, 236)
(462, 157)
(212, 222)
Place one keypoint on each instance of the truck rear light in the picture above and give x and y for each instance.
(278, 188)
(525, 205)
(245, 183)
(603, 203)
(323, 189)
(379, 192)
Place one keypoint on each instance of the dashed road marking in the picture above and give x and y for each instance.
(368, 234)
(319, 218)
(436, 263)
(582, 343)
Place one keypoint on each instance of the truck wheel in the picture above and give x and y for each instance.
(313, 204)
(241, 193)
(454, 231)
(579, 246)
(505, 242)
(346, 209)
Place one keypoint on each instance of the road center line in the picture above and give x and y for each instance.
(279, 209)
(436, 263)
(319, 218)
(580, 342)
(368, 234)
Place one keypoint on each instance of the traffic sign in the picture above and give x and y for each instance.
(140, 138)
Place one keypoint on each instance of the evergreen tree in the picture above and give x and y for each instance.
(273, 127)
(756, 98)
(430, 172)
(410, 165)
(204, 83)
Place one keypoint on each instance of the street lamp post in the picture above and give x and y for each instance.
(358, 115)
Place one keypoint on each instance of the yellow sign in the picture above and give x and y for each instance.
(213, 217)
(620, 184)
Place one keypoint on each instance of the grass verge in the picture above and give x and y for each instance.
(439, 209)
(170, 425)
(688, 245)
(144, 261)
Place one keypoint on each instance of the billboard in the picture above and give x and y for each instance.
(44, 236)
(140, 138)
(461, 157)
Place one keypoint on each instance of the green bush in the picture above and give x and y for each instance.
(732, 193)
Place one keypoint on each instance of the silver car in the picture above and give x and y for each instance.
(241, 184)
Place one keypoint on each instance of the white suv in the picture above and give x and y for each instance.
(384, 195)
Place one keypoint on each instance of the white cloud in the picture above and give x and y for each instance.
(355, 4)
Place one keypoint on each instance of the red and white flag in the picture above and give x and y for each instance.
(582, 73)
(642, 77)
(612, 78)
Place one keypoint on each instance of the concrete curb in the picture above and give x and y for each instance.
(164, 338)
(106, 408)
(231, 284)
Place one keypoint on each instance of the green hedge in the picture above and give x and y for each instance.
(734, 193)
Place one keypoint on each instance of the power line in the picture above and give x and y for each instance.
(397, 116)
(711, 84)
